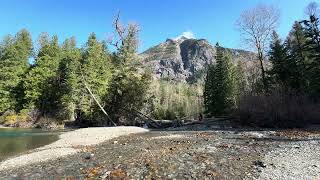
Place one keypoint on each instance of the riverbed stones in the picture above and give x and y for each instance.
(145, 157)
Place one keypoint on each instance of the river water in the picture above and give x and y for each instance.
(14, 141)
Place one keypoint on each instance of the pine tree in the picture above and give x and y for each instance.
(297, 59)
(70, 75)
(14, 62)
(278, 57)
(6, 74)
(41, 83)
(240, 86)
(312, 33)
(208, 87)
(128, 88)
(220, 85)
(95, 73)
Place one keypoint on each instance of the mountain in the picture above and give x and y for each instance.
(185, 60)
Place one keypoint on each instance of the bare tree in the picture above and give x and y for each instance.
(125, 39)
(123, 34)
(119, 32)
(256, 26)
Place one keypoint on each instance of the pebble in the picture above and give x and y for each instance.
(59, 171)
(87, 156)
(295, 160)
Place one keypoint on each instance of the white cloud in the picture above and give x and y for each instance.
(186, 34)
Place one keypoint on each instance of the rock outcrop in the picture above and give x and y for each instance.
(185, 60)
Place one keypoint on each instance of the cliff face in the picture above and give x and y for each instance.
(185, 60)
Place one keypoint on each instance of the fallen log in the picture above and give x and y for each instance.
(143, 116)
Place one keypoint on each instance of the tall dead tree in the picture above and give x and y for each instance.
(256, 26)
(117, 40)
(129, 84)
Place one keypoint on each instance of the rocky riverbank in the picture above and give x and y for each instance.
(295, 158)
(195, 152)
(69, 144)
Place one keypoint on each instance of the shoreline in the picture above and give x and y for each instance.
(70, 143)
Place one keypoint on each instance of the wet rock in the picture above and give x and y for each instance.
(87, 156)
(259, 164)
(296, 146)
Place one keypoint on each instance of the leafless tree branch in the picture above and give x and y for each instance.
(256, 26)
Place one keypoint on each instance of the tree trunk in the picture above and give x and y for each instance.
(263, 73)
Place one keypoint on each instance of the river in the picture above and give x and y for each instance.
(14, 141)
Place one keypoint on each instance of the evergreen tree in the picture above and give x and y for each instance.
(297, 59)
(14, 57)
(240, 86)
(220, 85)
(96, 74)
(70, 75)
(278, 57)
(312, 34)
(128, 88)
(6, 74)
(208, 88)
(41, 83)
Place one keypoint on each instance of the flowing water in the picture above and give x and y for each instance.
(14, 141)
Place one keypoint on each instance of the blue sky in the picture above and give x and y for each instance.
(158, 19)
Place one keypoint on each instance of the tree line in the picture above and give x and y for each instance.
(92, 86)
(287, 93)
(89, 85)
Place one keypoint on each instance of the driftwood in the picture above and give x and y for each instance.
(143, 116)
(150, 119)
(95, 99)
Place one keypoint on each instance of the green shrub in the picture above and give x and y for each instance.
(11, 118)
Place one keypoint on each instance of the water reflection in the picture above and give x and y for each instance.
(15, 141)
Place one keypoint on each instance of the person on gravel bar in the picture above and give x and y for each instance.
(200, 118)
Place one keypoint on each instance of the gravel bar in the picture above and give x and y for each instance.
(69, 144)
(186, 153)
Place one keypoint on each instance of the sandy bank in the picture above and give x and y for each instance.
(68, 143)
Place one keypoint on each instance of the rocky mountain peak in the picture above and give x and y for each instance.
(183, 59)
